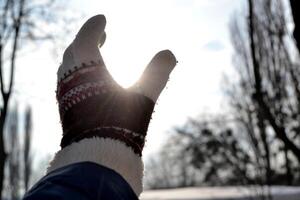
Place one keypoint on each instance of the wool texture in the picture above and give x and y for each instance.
(107, 152)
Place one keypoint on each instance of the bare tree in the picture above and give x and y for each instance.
(20, 21)
(221, 156)
(11, 22)
(276, 27)
(170, 167)
(266, 97)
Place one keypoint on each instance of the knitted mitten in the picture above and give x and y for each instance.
(103, 122)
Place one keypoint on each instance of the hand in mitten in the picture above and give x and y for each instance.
(103, 122)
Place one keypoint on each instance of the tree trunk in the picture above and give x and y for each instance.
(267, 162)
(3, 154)
(296, 15)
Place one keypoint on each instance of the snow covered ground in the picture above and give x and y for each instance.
(220, 193)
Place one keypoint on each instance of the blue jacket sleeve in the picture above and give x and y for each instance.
(82, 181)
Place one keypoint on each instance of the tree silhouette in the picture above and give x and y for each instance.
(218, 153)
(20, 21)
(267, 97)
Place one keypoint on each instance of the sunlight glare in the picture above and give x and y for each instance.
(126, 77)
(125, 70)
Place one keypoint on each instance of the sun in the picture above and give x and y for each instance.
(125, 68)
(126, 65)
(125, 76)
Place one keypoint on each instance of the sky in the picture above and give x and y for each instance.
(196, 31)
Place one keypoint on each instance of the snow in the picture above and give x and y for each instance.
(218, 193)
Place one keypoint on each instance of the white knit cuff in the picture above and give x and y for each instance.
(106, 152)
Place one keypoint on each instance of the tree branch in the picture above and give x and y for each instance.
(18, 24)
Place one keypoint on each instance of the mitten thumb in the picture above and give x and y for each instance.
(156, 75)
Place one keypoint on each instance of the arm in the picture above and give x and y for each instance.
(102, 122)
